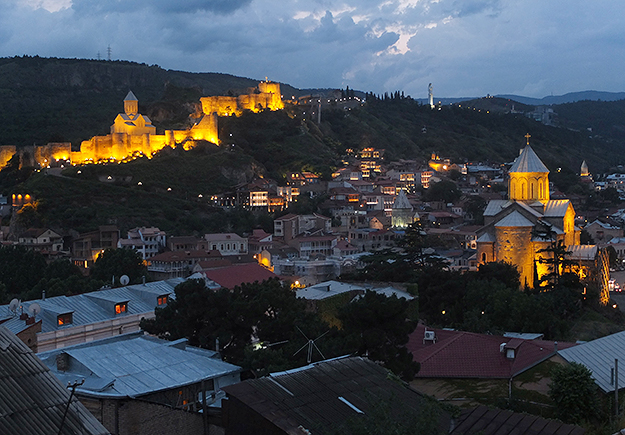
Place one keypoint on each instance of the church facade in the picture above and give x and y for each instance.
(515, 229)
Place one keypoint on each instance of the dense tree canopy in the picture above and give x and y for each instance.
(112, 264)
(575, 394)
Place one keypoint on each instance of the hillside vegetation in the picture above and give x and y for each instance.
(72, 100)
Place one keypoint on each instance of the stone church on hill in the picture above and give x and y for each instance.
(512, 227)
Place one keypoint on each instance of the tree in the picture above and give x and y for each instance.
(445, 191)
(574, 392)
(557, 254)
(112, 264)
(257, 325)
(379, 327)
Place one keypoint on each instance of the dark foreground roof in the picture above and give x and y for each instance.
(323, 396)
(485, 421)
(32, 401)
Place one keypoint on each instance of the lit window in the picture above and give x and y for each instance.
(162, 300)
(121, 308)
(64, 319)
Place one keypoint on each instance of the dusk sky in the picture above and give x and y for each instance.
(463, 47)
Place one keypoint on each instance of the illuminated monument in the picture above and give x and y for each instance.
(266, 96)
(133, 133)
(510, 232)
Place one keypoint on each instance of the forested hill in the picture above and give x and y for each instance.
(53, 100)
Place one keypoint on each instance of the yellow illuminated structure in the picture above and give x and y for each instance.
(133, 134)
(265, 96)
(510, 227)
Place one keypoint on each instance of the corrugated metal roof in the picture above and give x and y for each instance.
(32, 401)
(556, 207)
(488, 421)
(514, 219)
(528, 161)
(599, 355)
(495, 206)
(136, 365)
(326, 289)
(310, 398)
(85, 307)
(582, 252)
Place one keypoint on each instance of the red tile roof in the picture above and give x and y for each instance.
(232, 276)
(458, 354)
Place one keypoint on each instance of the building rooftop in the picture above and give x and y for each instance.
(235, 275)
(459, 354)
(320, 397)
(528, 161)
(514, 219)
(132, 365)
(32, 401)
(485, 421)
(598, 356)
(89, 308)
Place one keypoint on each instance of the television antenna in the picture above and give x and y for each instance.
(14, 305)
(34, 309)
(311, 345)
(124, 280)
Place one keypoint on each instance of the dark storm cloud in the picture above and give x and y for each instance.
(464, 47)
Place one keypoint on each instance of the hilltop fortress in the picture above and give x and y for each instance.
(133, 134)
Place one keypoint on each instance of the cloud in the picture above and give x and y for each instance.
(91, 7)
(464, 47)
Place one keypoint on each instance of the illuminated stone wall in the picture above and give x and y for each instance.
(268, 97)
(528, 186)
(133, 133)
(514, 246)
(6, 152)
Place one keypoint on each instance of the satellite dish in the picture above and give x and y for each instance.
(14, 304)
(34, 309)
(124, 280)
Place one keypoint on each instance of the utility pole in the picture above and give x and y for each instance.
(73, 387)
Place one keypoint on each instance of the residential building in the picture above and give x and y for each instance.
(87, 246)
(492, 361)
(370, 239)
(136, 384)
(602, 230)
(148, 242)
(187, 243)
(42, 240)
(235, 275)
(179, 264)
(227, 243)
(51, 323)
(291, 225)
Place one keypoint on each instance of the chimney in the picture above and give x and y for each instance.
(217, 344)
(62, 362)
(43, 295)
(555, 346)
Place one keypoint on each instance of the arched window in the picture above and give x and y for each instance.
(483, 257)
(532, 190)
(523, 191)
